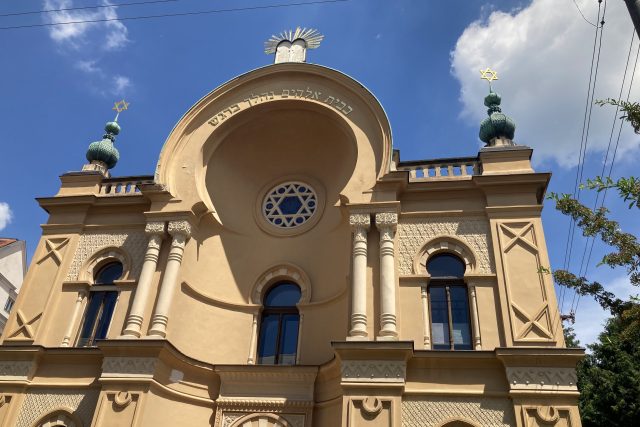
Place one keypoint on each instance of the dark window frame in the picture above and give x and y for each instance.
(100, 324)
(281, 312)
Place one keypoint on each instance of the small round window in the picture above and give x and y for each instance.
(290, 204)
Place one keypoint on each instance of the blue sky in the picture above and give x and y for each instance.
(420, 58)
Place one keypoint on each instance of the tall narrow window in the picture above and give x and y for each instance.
(278, 342)
(102, 301)
(450, 325)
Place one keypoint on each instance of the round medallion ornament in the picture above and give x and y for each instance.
(290, 204)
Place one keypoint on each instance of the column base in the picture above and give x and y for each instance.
(387, 338)
(357, 338)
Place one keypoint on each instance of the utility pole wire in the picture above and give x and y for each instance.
(168, 15)
(100, 6)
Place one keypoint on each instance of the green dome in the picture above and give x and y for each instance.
(104, 151)
(497, 124)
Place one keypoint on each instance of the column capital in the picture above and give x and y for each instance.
(386, 220)
(180, 228)
(359, 221)
(155, 228)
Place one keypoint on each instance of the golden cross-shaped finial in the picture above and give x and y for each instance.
(488, 75)
(120, 106)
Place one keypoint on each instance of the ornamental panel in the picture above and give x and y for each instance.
(414, 233)
(434, 411)
(38, 403)
(133, 243)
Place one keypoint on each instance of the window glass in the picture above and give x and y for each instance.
(460, 318)
(445, 265)
(9, 304)
(439, 318)
(108, 273)
(278, 339)
(269, 329)
(282, 295)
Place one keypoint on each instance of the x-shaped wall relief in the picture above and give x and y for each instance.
(53, 247)
(518, 236)
(532, 322)
(25, 326)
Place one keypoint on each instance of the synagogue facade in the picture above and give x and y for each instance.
(284, 267)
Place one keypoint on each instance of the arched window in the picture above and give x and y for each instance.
(450, 325)
(278, 340)
(102, 301)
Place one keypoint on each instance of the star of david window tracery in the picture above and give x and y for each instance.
(290, 204)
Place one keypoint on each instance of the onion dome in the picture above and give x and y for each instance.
(104, 151)
(498, 124)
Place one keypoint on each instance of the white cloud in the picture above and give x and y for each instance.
(88, 66)
(542, 54)
(5, 215)
(107, 35)
(121, 84)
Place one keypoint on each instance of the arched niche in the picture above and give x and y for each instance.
(103, 257)
(278, 273)
(458, 422)
(59, 418)
(318, 92)
(442, 244)
(261, 420)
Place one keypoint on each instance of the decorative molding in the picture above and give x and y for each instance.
(25, 326)
(373, 371)
(357, 221)
(180, 228)
(262, 419)
(371, 406)
(129, 367)
(16, 369)
(536, 416)
(386, 219)
(122, 399)
(282, 271)
(155, 228)
(414, 233)
(423, 411)
(100, 258)
(53, 248)
(448, 244)
(134, 244)
(40, 402)
(542, 378)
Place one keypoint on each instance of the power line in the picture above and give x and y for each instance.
(583, 17)
(570, 234)
(101, 6)
(168, 15)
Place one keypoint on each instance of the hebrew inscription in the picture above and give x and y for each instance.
(295, 93)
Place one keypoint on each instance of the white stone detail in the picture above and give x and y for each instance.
(290, 195)
(38, 403)
(12, 370)
(134, 244)
(386, 371)
(542, 378)
(129, 366)
(428, 411)
(414, 233)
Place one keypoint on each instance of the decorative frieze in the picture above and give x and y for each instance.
(134, 244)
(431, 411)
(129, 366)
(414, 233)
(542, 378)
(15, 369)
(373, 371)
(39, 403)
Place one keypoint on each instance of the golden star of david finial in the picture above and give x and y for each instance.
(488, 75)
(120, 106)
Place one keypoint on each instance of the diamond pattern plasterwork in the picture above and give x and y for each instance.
(413, 233)
(39, 403)
(433, 411)
(134, 244)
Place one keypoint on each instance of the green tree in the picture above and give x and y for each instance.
(609, 376)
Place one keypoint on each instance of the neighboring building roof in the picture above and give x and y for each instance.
(4, 241)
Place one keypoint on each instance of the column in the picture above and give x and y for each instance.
(425, 317)
(476, 321)
(386, 223)
(360, 224)
(156, 232)
(74, 317)
(253, 346)
(180, 232)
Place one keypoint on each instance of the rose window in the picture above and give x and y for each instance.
(290, 204)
